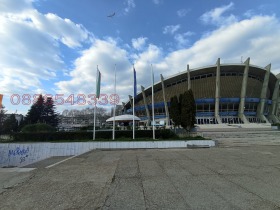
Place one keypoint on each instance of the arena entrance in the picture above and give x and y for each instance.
(206, 120)
(254, 120)
(231, 120)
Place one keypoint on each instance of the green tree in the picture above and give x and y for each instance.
(42, 111)
(184, 111)
(188, 111)
(35, 113)
(175, 111)
(180, 101)
(2, 118)
(193, 107)
(10, 124)
(49, 114)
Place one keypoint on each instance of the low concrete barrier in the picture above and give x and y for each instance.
(21, 154)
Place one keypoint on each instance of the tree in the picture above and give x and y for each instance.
(2, 118)
(188, 110)
(175, 111)
(193, 107)
(180, 100)
(185, 109)
(42, 111)
(35, 113)
(10, 124)
(102, 115)
(49, 115)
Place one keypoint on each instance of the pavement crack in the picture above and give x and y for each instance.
(109, 189)
(141, 182)
(172, 183)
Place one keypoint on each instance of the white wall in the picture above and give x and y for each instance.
(21, 154)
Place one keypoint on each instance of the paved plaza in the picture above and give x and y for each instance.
(231, 177)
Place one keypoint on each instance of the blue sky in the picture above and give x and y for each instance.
(54, 46)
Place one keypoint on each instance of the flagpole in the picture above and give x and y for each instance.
(133, 112)
(94, 118)
(153, 108)
(98, 83)
(114, 123)
(1, 99)
(133, 120)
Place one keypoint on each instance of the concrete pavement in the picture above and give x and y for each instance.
(215, 178)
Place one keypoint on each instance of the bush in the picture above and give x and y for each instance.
(83, 135)
(37, 128)
(166, 134)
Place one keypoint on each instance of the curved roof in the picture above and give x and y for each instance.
(231, 67)
(122, 118)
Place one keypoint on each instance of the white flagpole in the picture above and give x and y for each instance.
(94, 118)
(133, 112)
(153, 108)
(133, 120)
(114, 123)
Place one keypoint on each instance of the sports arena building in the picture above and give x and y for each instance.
(224, 93)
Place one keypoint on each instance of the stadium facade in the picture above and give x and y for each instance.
(224, 93)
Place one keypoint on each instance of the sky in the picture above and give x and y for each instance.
(54, 46)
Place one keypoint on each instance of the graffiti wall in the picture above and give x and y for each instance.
(12, 155)
(18, 155)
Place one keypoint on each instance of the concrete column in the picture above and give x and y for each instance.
(189, 77)
(218, 92)
(164, 99)
(278, 108)
(243, 92)
(261, 105)
(146, 105)
(275, 96)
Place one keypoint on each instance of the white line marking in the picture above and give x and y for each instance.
(61, 161)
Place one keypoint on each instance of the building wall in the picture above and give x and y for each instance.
(203, 85)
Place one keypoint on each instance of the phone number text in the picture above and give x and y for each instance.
(72, 99)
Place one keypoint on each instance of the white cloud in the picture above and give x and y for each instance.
(139, 43)
(183, 12)
(64, 30)
(255, 38)
(183, 39)
(171, 29)
(130, 4)
(156, 1)
(105, 54)
(29, 44)
(30, 51)
(215, 16)
(15, 6)
(250, 13)
(152, 55)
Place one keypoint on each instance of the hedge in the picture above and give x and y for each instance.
(38, 127)
(82, 135)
